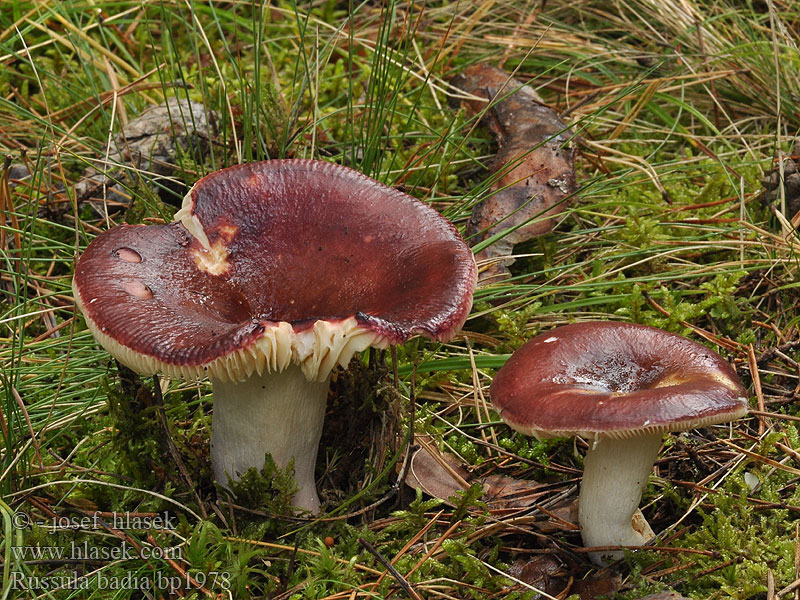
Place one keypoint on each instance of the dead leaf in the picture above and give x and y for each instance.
(534, 163)
(441, 476)
(596, 585)
(436, 474)
(544, 572)
(148, 147)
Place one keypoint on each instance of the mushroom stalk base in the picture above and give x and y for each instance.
(280, 413)
(614, 476)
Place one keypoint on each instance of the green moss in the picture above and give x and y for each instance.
(747, 531)
(269, 489)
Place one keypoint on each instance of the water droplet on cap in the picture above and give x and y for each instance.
(128, 255)
(136, 288)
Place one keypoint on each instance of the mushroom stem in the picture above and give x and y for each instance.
(615, 474)
(280, 413)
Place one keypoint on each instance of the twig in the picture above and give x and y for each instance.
(437, 544)
(756, 502)
(708, 571)
(711, 553)
(284, 547)
(797, 557)
(7, 206)
(292, 565)
(770, 585)
(402, 581)
(762, 413)
(417, 536)
(770, 353)
(34, 439)
(757, 457)
(752, 363)
(789, 588)
(52, 330)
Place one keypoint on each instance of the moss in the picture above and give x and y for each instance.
(135, 422)
(269, 489)
(745, 531)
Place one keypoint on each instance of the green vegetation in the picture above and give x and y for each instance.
(679, 110)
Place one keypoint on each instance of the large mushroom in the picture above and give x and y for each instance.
(270, 276)
(621, 387)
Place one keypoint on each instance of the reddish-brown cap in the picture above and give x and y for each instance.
(606, 379)
(272, 263)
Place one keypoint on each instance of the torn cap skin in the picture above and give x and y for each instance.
(271, 274)
(621, 386)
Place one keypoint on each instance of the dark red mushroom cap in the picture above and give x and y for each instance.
(271, 263)
(615, 380)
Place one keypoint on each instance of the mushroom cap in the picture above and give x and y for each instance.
(272, 263)
(617, 380)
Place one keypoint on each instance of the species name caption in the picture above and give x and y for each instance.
(112, 551)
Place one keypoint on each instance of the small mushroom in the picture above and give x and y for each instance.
(620, 386)
(271, 275)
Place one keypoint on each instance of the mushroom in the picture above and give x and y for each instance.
(271, 275)
(620, 386)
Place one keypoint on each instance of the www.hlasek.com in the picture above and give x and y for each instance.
(128, 581)
(85, 551)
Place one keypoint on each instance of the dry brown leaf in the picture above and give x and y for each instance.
(441, 476)
(535, 163)
(544, 572)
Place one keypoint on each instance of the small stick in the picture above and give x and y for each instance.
(34, 439)
(436, 545)
(789, 588)
(763, 459)
(797, 557)
(3, 425)
(752, 363)
(770, 585)
(292, 565)
(671, 570)
(411, 542)
(418, 536)
(286, 548)
(711, 553)
(771, 352)
(52, 330)
(762, 413)
(708, 571)
(390, 567)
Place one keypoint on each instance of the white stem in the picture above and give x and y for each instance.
(614, 475)
(280, 413)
